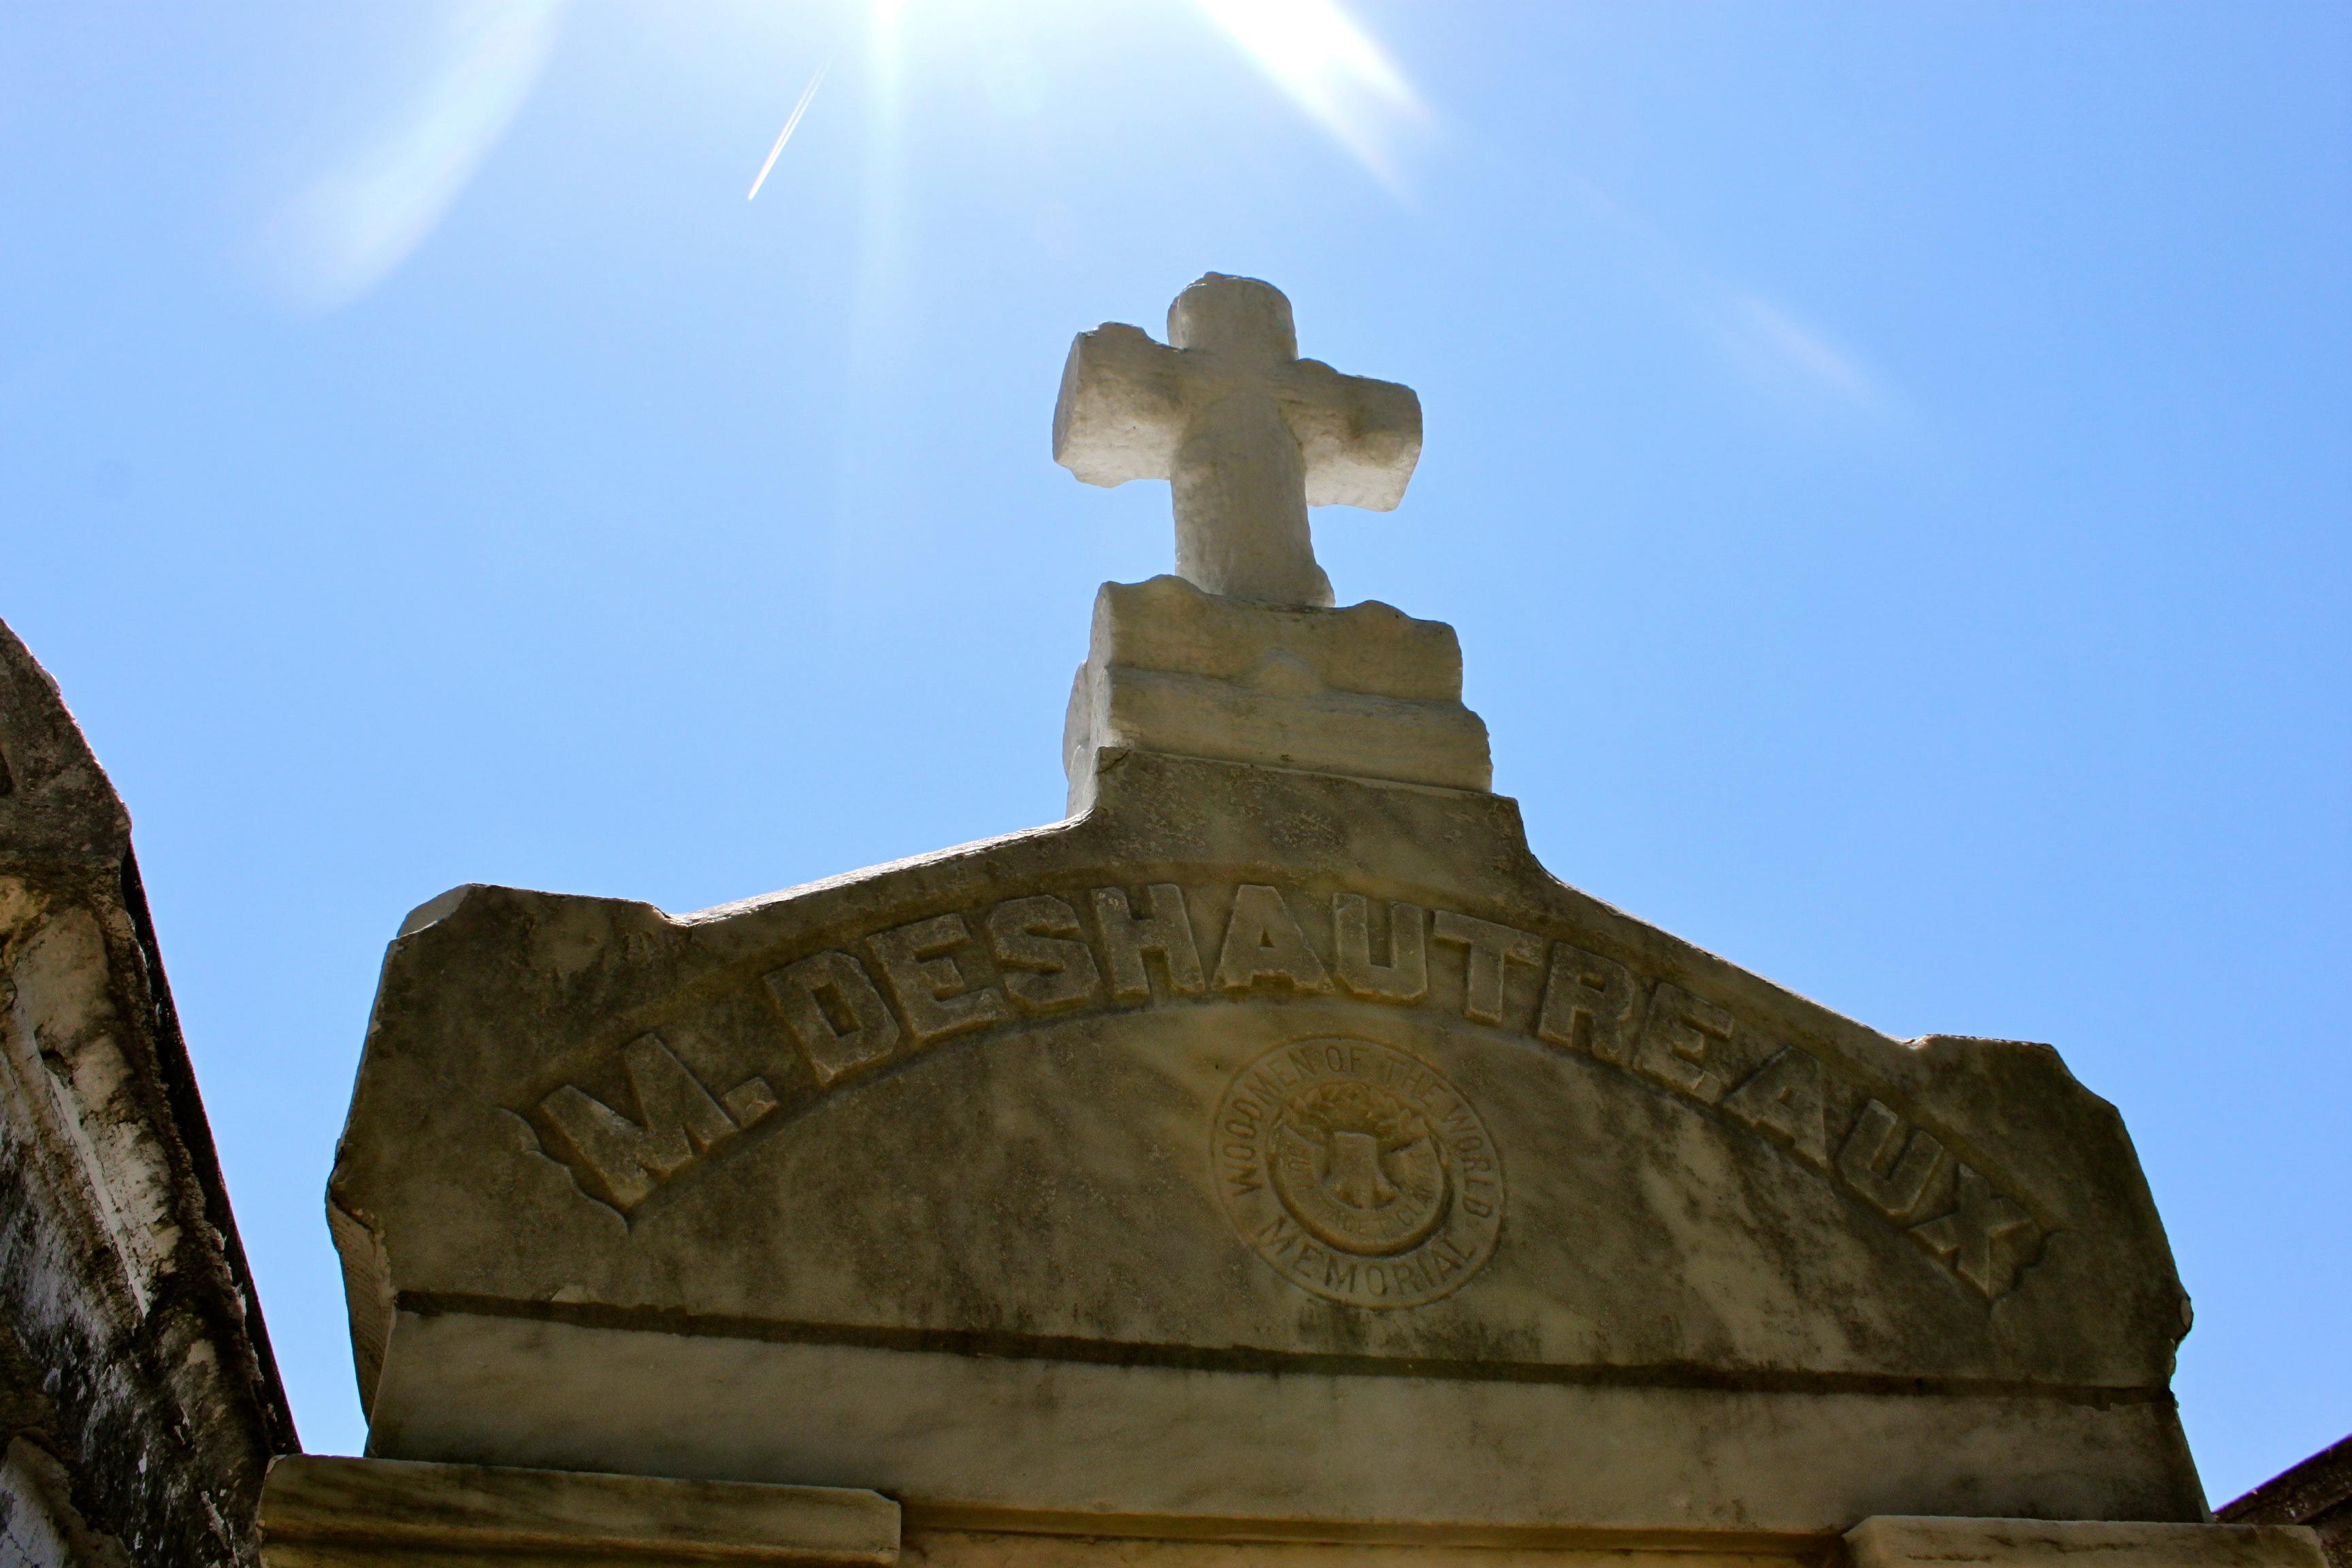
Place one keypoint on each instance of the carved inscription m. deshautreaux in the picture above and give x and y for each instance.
(850, 1009)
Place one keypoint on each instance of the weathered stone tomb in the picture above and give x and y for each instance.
(138, 1401)
(1271, 1160)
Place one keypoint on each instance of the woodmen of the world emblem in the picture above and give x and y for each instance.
(1359, 1171)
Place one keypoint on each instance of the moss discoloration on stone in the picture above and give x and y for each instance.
(133, 1372)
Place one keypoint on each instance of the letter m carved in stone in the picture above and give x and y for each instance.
(621, 1162)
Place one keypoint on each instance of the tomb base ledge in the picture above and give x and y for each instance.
(322, 1512)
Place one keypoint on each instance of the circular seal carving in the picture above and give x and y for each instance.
(1359, 1171)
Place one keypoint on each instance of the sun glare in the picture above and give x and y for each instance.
(1330, 69)
(369, 212)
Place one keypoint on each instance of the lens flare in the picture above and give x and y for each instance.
(1332, 70)
(364, 217)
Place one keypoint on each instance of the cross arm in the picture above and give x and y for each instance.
(1121, 413)
(1359, 437)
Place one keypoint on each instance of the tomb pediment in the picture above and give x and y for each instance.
(1273, 1150)
(1249, 1074)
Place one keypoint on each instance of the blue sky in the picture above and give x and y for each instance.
(1887, 463)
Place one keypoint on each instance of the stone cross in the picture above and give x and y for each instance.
(1248, 435)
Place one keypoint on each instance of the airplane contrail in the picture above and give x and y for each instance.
(807, 93)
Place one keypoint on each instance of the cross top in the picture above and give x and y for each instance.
(1248, 435)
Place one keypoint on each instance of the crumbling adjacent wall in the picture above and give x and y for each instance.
(139, 1404)
(2317, 1493)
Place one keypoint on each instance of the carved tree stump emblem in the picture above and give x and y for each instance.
(1359, 1171)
